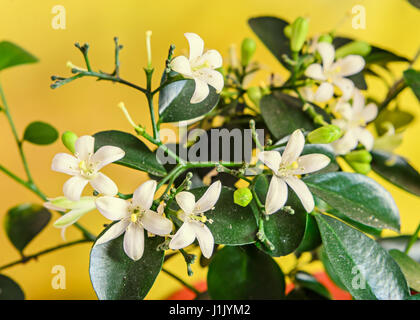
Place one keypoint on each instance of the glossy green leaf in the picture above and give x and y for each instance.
(270, 30)
(308, 281)
(137, 154)
(398, 118)
(283, 115)
(400, 243)
(12, 55)
(40, 133)
(174, 102)
(242, 273)
(409, 267)
(329, 269)
(364, 267)
(412, 79)
(9, 289)
(414, 297)
(115, 276)
(311, 238)
(359, 80)
(284, 230)
(232, 224)
(396, 170)
(357, 196)
(23, 223)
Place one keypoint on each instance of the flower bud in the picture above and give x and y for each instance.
(325, 38)
(360, 167)
(299, 32)
(254, 94)
(288, 31)
(325, 134)
(69, 139)
(360, 48)
(248, 48)
(242, 196)
(362, 156)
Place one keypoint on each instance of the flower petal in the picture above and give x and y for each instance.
(73, 188)
(65, 163)
(70, 218)
(183, 237)
(272, 159)
(104, 185)
(302, 191)
(370, 112)
(211, 77)
(327, 53)
(345, 144)
(358, 101)
(196, 45)
(307, 93)
(212, 58)
(312, 162)
(106, 155)
(294, 147)
(315, 71)
(182, 66)
(134, 241)
(113, 232)
(345, 110)
(365, 138)
(112, 208)
(156, 223)
(350, 65)
(204, 237)
(346, 86)
(209, 198)
(201, 91)
(144, 194)
(84, 147)
(186, 201)
(324, 92)
(276, 195)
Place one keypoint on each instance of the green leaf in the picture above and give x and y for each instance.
(398, 118)
(270, 31)
(359, 80)
(357, 196)
(409, 267)
(232, 224)
(242, 273)
(23, 223)
(412, 79)
(285, 231)
(137, 154)
(400, 243)
(308, 281)
(40, 133)
(364, 267)
(174, 102)
(13, 55)
(414, 297)
(329, 269)
(115, 276)
(283, 115)
(311, 238)
(396, 170)
(9, 289)
(415, 3)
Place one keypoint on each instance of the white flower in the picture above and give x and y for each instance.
(134, 216)
(286, 170)
(192, 215)
(84, 166)
(353, 121)
(334, 73)
(200, 67)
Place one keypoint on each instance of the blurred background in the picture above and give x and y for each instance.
(86, 106)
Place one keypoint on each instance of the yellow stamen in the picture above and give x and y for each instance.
(294, 165)
(133, 218)
(202, 66)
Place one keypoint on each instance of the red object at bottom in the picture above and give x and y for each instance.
(336, 292)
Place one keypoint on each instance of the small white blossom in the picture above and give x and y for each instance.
(332, 73)
(286, 170)
(353, 122)
(84, 166)
(192, 215)
(200, 67)
(134, 216)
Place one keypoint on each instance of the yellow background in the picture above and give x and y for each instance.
(86, 106)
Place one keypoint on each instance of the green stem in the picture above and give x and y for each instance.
(149, 94)
(40, 253)
(169, 273)
(412, 239)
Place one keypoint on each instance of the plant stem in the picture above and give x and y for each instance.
(149, 94)
(412, 239)
(40, 253)
(169, 273)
